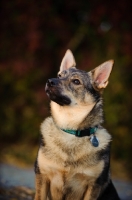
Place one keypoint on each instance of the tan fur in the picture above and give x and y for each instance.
(42, 187)
(71, 116)
(54, 163)
(70, 167)
(66, 140)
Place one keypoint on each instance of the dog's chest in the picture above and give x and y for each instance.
(59, 159)
(56, 168)
(64, 155)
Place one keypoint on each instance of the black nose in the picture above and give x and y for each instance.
(52, 82)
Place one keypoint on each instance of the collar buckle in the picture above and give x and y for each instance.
(78, 132)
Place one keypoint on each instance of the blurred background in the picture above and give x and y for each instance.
(34, 37)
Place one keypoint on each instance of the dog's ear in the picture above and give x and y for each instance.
(100, 74)
(68, 61)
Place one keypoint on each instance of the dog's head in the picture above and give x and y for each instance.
(74, 86)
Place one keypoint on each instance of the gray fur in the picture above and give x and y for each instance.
(68, 167)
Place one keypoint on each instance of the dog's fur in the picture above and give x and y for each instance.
(70, 167)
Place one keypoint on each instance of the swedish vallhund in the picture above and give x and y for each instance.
(73, 161)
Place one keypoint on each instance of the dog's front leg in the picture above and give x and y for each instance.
(56, 187)
(42, 187)
(92, 192)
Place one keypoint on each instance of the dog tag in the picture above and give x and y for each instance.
(94, 141)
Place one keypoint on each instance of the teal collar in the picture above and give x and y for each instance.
(86, 132)
(82, 133)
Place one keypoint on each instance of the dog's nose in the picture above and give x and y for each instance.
(51, 82)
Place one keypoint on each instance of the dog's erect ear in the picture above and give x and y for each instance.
(68, 61)
(100, 74)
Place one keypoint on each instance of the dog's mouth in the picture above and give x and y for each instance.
(54, 93)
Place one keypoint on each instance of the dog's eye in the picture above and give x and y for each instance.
(59, 75)
(76, 81)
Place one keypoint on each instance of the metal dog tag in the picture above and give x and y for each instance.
(94, 141)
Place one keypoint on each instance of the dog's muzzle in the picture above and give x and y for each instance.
(52, 82)
(51, 86)
(53, 89)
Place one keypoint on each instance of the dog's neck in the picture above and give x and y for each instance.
(77, 117)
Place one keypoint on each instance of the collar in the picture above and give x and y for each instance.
(82, 133)
(86, 132)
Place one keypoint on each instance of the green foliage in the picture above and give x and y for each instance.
(20, 112)
(34, 37)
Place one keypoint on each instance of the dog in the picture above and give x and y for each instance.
(73, 161)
